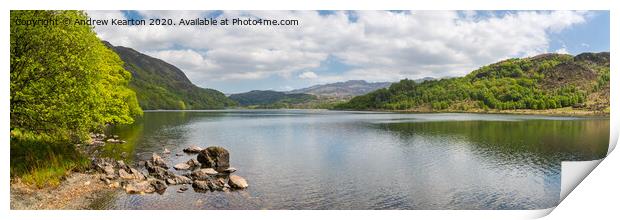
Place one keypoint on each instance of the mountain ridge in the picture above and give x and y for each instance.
(344, 89)
(161, 85)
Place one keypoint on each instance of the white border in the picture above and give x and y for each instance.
(607, 176)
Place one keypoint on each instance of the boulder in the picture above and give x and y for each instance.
(150, 166)
(203, 174)
(223, 182)
(209, 171)
(104, 179)
(114, 184)
(192, 149)
(229, 170)
(182, 180)
(215, 185)
(177, 179)
(158, 184)
(103, 164)
(158, 161)
(137, 174)
(124, 174)
(182, 166)
(139, 187)
(214, 157)
(109, 170)
(159, 172)
(201, 185)
(121, 165)
(193, 163)
(237, 182)
(171, 181)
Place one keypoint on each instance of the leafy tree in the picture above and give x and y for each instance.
(64, 80)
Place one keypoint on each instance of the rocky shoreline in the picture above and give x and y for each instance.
(206, 170)
(209, 171)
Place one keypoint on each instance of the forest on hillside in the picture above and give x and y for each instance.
(547, 81)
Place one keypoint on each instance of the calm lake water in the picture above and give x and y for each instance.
(305, 159)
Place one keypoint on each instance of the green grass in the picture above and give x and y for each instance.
(43, 161)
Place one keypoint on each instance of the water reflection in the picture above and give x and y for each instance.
(350, 160)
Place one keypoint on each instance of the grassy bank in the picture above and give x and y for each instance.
(43, 161)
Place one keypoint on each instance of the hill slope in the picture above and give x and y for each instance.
(160, 85)
(271, 99)
(342, 89)
(547, 81)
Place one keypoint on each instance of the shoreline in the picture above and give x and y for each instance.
(77, 191)
(585, 114)
(547, 112)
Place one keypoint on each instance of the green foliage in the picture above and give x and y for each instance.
(530, 83)
(64, 81)
(271, 99)
(160, 85)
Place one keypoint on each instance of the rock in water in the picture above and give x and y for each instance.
(182, 166)
(230, 170)
(139, 187)
(158, 161)
(166, 151)
(201, 185)
(215, 185)
(182, 179)
(209, 171)
(193, 163)
(137, 174)
(237, 182)
(203, 174)
(214, 157)
(192, 149)
(171, 181)
(159, 172)
(159, 185)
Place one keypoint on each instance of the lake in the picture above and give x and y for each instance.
(318, 159)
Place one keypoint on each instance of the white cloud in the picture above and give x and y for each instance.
(378, 46)
(308, 75)
(562, 50)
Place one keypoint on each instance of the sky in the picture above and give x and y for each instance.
(335, 46)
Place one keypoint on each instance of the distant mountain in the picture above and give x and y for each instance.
(160, 85)
(342, 89)
(548, 81)
(271, 99)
